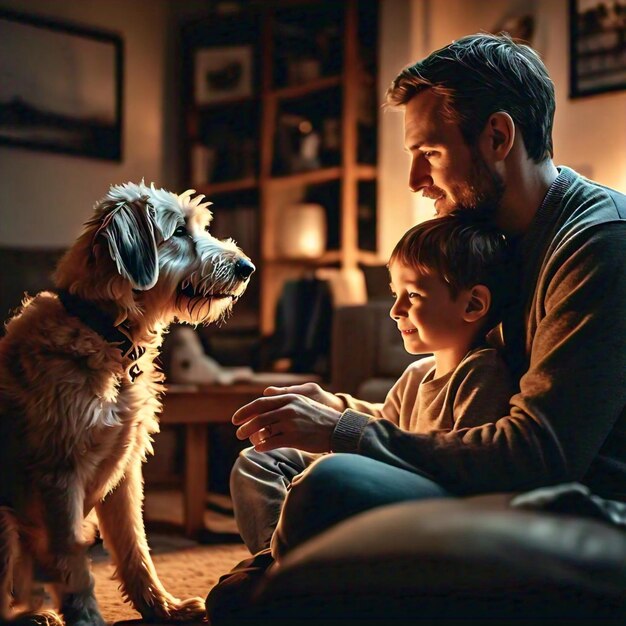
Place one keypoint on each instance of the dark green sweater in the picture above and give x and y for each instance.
(568, 422)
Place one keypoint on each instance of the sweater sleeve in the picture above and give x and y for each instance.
(570, 398)
(358, 413)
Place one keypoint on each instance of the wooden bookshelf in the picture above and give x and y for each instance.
(247, 133)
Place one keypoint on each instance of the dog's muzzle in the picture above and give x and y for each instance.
(243, 269)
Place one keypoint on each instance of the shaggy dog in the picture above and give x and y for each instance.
(79, 394)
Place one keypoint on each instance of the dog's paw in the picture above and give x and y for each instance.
(38, 618)
(175, 610)
(81, 610)
(190, 610)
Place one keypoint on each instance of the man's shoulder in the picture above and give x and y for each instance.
(586, 211)
(590, 203)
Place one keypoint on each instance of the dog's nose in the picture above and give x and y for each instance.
(243, 268)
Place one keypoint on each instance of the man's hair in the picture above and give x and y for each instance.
(464, 251)
(482, 74)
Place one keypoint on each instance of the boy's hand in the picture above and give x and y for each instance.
(309, 390)
(287, 420)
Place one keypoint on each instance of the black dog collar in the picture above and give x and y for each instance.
(93, 317)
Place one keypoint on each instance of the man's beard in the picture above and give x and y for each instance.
(483, 194)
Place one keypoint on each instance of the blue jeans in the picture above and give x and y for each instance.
(326, 490)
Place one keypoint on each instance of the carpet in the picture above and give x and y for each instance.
(184, 567)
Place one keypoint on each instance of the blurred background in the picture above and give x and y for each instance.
(273, 110)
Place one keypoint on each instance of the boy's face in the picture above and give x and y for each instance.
(429, 319)
(443, 167)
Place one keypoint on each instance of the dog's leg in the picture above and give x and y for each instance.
(16, 580)
(8, 555)
(63, 500)
(121, 526)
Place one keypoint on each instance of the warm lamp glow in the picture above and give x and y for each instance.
(303, 231)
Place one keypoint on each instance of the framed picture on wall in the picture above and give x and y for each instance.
(60, 87)
(222, 74)
(597, 46)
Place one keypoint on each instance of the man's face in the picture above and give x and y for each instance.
(443, 167)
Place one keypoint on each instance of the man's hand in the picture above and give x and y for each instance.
(310, 390)
(291, 420)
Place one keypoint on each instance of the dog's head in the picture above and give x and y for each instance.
(149, 250)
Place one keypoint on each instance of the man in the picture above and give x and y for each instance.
(478, 123)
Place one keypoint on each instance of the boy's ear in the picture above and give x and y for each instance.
(478, 303)
(497, 136)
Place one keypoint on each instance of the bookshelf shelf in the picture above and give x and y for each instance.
(227, 186)
(297, 91)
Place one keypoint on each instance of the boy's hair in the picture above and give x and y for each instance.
(464, 251)
(482, 74)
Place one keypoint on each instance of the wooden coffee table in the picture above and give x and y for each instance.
(195, 407)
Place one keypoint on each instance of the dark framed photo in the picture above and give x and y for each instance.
(72, 102)
(223, 73)
(597, 46)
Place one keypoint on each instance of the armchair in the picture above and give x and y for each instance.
(367, 353)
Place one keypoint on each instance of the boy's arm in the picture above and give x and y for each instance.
(390, 408)
(374, 409)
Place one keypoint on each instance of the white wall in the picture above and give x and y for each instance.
(45, 197)
(393, 198)
(589, 133)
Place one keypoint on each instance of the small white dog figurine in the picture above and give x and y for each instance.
(79, 394)
(189, 363)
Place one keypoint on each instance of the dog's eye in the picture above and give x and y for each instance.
(181, 231)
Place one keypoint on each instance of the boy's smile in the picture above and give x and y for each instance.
(428, 317)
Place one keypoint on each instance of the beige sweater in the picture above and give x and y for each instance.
(477, 391)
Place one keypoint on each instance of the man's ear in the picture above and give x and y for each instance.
(498, 136)
(478, 303)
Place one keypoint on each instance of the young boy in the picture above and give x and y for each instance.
(450, 277)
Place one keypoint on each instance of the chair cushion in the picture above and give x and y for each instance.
(474, 558)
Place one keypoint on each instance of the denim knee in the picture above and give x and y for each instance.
(325, 479)
(316, 500)
(321, 488)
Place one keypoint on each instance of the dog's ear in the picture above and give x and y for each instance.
(132, 236)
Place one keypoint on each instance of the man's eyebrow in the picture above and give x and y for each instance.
(430, 143)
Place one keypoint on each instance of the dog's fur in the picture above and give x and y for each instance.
(75, 420)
